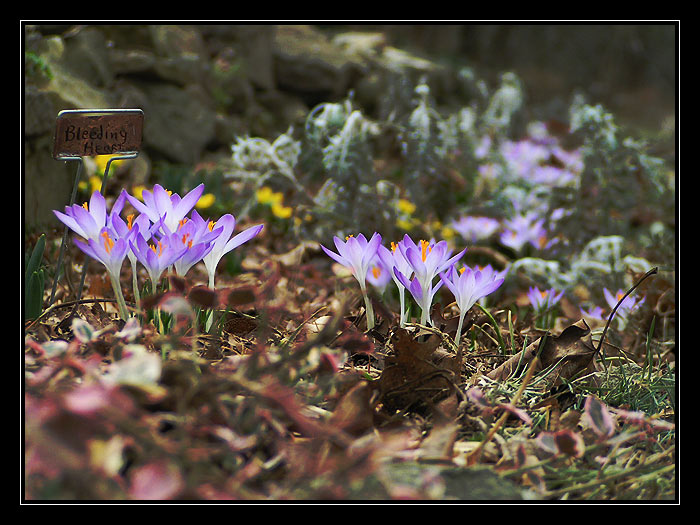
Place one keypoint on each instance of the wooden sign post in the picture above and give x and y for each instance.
(88, 133)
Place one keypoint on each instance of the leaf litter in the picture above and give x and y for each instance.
(291, 398)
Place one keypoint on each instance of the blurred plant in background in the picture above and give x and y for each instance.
(565, 204)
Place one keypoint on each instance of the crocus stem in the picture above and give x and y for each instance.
(424, 317)
(135, 284)
(402, 305)
(369, 310)
(123, 312)
(459, 328)
(210, 313)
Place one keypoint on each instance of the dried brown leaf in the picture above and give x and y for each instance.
(571, 352)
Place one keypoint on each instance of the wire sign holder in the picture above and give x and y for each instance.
(88, 133)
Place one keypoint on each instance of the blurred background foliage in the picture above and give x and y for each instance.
(326, 130)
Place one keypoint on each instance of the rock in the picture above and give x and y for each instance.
(307, 63)
(39, 113)
(131, 61)
(47, 182)
(177, 121)
(86, 56)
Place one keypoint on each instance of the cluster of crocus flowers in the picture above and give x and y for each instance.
(413, 267)
(474, 229)
(523, 229)
(426, 260)
(420, 268)
(161, 237)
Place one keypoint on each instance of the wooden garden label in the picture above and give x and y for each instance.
(86, 133)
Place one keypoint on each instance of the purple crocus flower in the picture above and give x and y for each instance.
(543, 301)
(110, 250)
(88, 220)
(422, 296)
(357, 254)
(626, 307)
(474, 229)
(196, 235)
(224, 243)
(157, 255)
(468, 286)
(523, 229)
(162, 204)
(378, 275)
(426, 261)
(394, 258)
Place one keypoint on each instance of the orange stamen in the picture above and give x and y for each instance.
(376, 272)
(85, 205)
(158, 252)
(130, 220)
(211, 225)
(109, 243)
(393, 247)
(425, 249)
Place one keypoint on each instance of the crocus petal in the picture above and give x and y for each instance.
(150, 212)
(402, 278)
(413, 256)
(445, 278)
(161, 200)
(370, 248)
(98, 208)
(70, 222)
(341, 247)
(386, 257)
(337, 258)
(355, 256)
(86, 222)
(243, 237)
(187, 202)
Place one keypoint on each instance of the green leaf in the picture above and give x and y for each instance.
(34, 295)
(35, 258)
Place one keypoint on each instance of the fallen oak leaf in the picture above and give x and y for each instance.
(410, 375)
(568, 352)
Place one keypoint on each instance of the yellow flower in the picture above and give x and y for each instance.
(282, 212)
(94, 183)
(265, 195)
(101, 162)
(205, 201)
(406, 206)
(447, 233)
(137, 191)
(404, 224)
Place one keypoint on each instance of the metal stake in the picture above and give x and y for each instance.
(68, 144)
